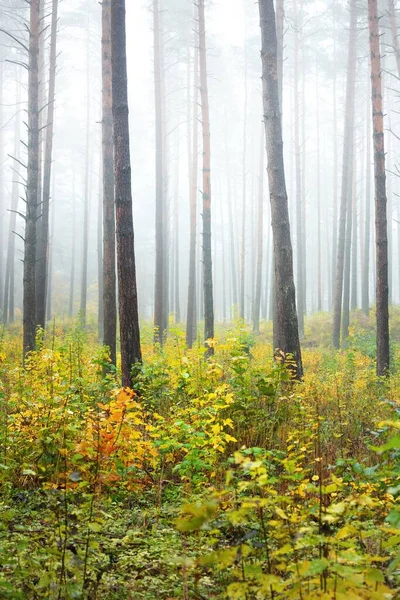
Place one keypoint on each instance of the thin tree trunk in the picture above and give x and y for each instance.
(260, 223)
(49, 278)
(73, 251)
(100, 276)
(8, 303)
(244, 199)
(335, 179)
(43, 238)
(394, 34)
(367, 228)
(354, 269)
(280, 20)
(297, 149)
(382, 285)
(2, 194)
(286, 333)
(191, 315)
(207, 256)
(347, 260)
(29, 293)
(346, 172)
(109, 275)
(319, 245)
(85, 239)
(161, 279)
(127, 296)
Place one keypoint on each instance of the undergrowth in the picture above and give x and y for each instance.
(211, 479)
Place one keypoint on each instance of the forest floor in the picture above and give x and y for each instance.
(213, 479)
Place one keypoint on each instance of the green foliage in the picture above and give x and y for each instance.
(211, 479)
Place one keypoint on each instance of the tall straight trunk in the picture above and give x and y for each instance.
(335, 186)
(382, 285)
(260, 223)
(49, 278)
(303, 182)
(232, 252)
(73, 252)
(100, 277)
(43, 238)
(346, 172)
(161, 279)
(177, 305)
(207, 256)
(85, 238)
(191, 315)
(244, 199)
(367, 226)
(127, 296)
(109, 275)
(29, 293)
(319, 245)
(347, 260)
(223, 265)
(8, 301)
(297, 150)
(286, 332)
(354, 269)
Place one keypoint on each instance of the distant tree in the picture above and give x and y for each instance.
(127, 297)
(207, 256)
(382, 285)
(43, 230)
(348, 149)
(32, 188)
(260, 223)
(286, 331)
(161, 277)
(109, 276)
(193, 135)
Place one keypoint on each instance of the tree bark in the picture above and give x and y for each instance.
(286, 333)
(382, 285)
(260, 223)
(161, 278)
(367, 226)
(29, 293)
(85, 237)
(127, 297)
(109, 275)
(346, 172)
(43, 238)
(8, 303)
(191, 315)
(207, 256)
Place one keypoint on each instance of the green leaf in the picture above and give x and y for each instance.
(392, 444)
(95, 527)
(373, 576)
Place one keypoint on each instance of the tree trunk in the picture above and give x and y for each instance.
(260, 223)
(177, 305)
(347, 260)
(85, 239)
(161, 278)
(346, 172)
(367, 226)
(244, 199)
(394, 34)
(73, 252)
(109, 276)
(297, 150)
(2, 190)
(207, 257)
(335, 181)
(49, 278)
(100, 274)
(354, 269)
(29, 293)
(8, 303)
(191, 315)
(382, 286)
(127, 297)
(43, 238)
(286, 333)
(319, 245)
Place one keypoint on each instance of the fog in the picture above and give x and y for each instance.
(313, 112)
